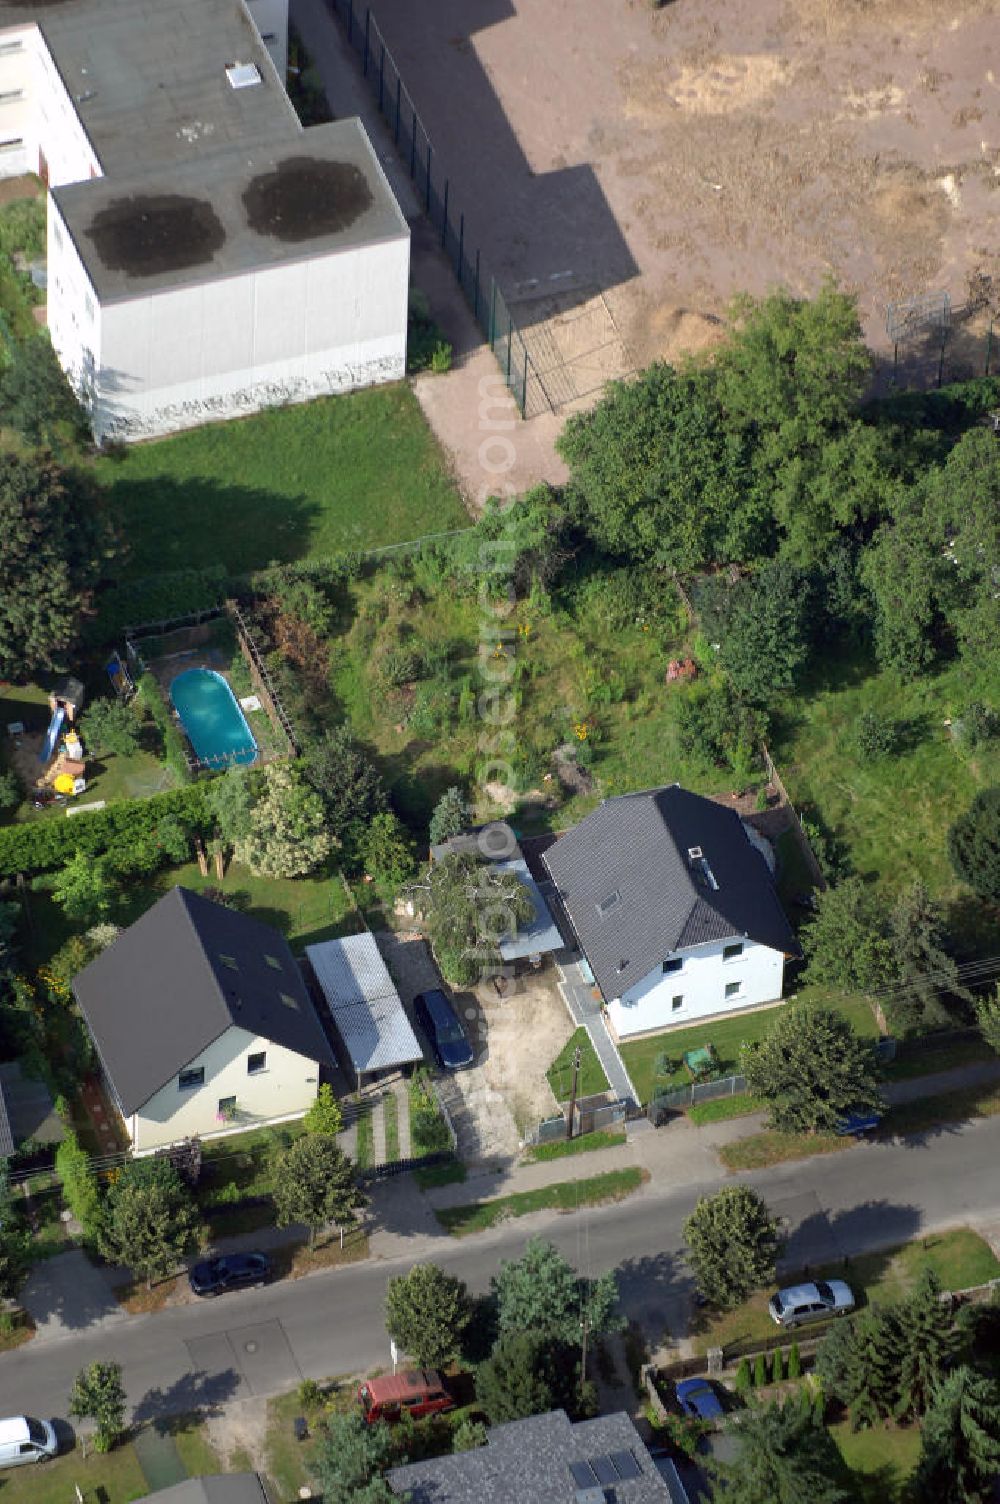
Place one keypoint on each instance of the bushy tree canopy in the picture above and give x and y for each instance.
(348, 784)
(811, 1069)
(314, 1184)
(426, 1313)
(974, 845)
(110, 726)
(288, 836)
(55, 542)
(349, 1458)
(732, 1244)
(528, 1373)
(786, 1456)
(452, 814)
(960, 1441)
(150, 1219)
(98, 1394)
(541, 1292)
(761, 625)
(470, 907)
(846, 944)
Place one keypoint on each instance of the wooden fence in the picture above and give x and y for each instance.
(775, 777)
(261, 679)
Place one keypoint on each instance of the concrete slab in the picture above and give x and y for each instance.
(29, 1107)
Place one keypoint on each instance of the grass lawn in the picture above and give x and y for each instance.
(364, 1150)
(947, 1107)
(348, 472)
(922, 1057)
(770, 1147)
(390, 1108)
(933, 780)
(478, 1215)
(959, 1257)
(303, 909)
(726, 1035)
(452, 1172)
(723, 1109)
(881, 1459)
(560, 1072)
(602, 1138)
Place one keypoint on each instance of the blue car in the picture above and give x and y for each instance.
(440, 1023)
(857, 1124)
(698, 1398)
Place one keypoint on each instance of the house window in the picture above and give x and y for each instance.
(288, 1000)
(8, 47)
(256, 1063)
(227, 1107)
(273, 962)
(733, 989)
(229, 961)
(674, 964)
(189, 1078)
(730, 952)
(8, 96)
(677, 1002)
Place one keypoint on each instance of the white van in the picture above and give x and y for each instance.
(24, 1439)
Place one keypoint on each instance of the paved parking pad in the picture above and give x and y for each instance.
(258, 1358)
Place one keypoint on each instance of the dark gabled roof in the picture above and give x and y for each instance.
(635, 894)
(532, 1461)
(163, 992)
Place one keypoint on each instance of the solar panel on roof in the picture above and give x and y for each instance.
(626, 1465)
(583, 1474)
(605, 1469)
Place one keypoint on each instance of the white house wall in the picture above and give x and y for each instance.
(40, 130)
(701, 984)
(18, 145)
(74, 313)
(285, 1089)
(225, 348)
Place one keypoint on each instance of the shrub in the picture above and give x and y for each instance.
(79, 1187)
(760, 1371)
(441, 358)
(175, 753)
(161, 597)
(875, 736)
(10, 789)
(743, 1381)
(46, 844)
(794, 1362)
(977, 724)
(428, 1129)
(777, 1367)
(398, 666)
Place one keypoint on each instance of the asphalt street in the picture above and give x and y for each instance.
(262, 1342)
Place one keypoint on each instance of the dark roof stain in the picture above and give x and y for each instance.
(146, 235)
(177, 979)
(305, 197)
(637, 848)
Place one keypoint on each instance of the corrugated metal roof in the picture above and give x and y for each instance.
(364, 1003)
(539, 936)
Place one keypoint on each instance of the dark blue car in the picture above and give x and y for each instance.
(697, 1397)
(233, 1271)
(446, 1035)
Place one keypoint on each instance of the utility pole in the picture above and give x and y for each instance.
(572, 1095)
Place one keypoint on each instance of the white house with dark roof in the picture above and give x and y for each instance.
(202, 1023)
(207, 256)
(673, 902)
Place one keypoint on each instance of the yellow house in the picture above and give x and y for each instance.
(202, 1024)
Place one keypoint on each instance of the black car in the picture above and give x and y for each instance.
(231, 1272)
(440, 1023)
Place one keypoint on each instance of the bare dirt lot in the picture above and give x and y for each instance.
(627, 170)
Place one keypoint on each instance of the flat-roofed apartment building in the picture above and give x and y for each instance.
(206, 255)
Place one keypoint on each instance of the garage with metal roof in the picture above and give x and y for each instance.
(367, 1012)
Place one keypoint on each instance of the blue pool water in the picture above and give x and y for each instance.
(214, 722)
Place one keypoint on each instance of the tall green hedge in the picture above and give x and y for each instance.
(46, 844)
(174, 750)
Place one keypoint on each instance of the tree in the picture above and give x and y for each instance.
(541, 1292)
(35, 397)
(54, 545)
(150, 1219)
(960, 1441)
(847, 944)
(662, 475)
(348, 784)
(786, 1456)
(452, 814)
(528, 1373)
(811, 1069)
(470, 907)
(287, 835)
(988, 1019)
(109, 726)
(314, 1184)
(98, 1394)
(324, 1116)
(927, 973)
(426, 1314)
(878, 1350)
(388, 853)
(83, 889)
(927, 1346)
(15, 1241)
(974, 845)
(348, 1456)
(762, 627)
(230, 802)
(732, 1242)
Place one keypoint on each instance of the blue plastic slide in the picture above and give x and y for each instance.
(52, 735)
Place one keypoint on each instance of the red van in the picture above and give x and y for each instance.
(418, 1392)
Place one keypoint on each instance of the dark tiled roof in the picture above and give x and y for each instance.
(164, 991)
(635, 895)
(528, 1462)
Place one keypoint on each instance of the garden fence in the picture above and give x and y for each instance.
(693, 1092)
(260, 677)
(433, 187)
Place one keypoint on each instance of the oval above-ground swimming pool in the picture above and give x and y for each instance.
(215, 724)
